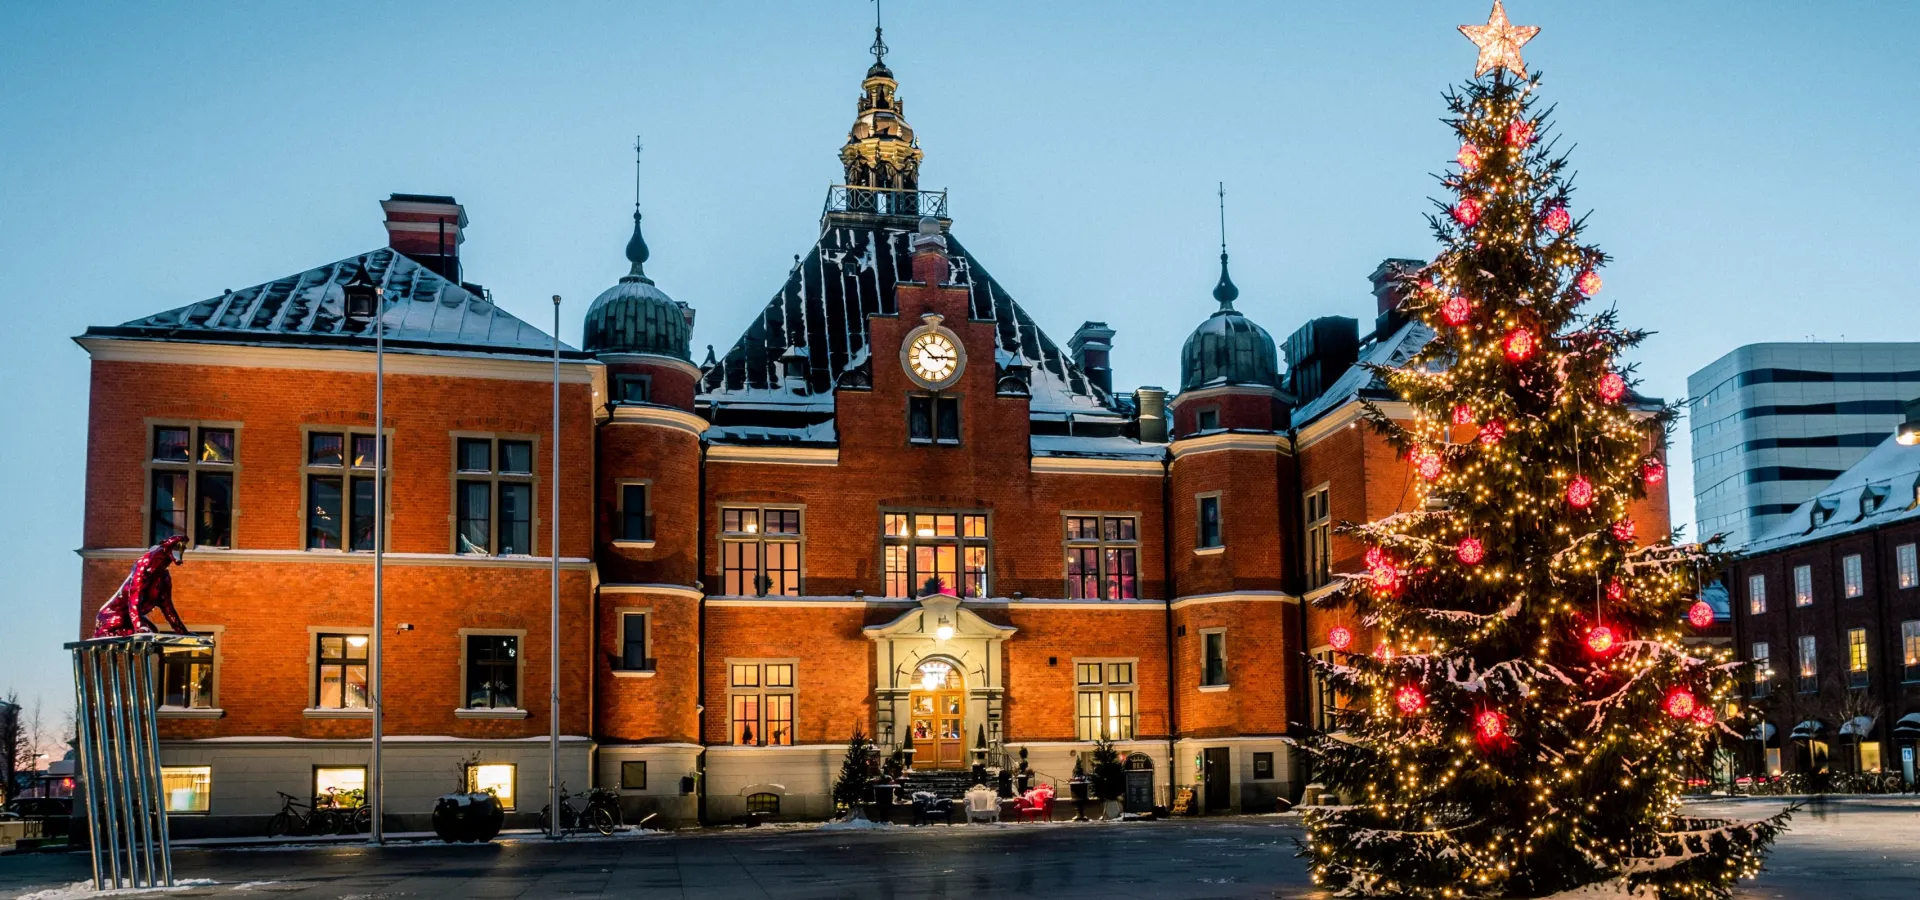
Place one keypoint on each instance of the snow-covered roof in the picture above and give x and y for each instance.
(1882, 488)
(1393, 351)
(423, 311)
(1115, 447)
(822, 312)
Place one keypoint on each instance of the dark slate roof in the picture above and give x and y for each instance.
(424, 312)
(822, 313)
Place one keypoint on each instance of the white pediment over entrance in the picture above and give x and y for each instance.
(941, 618)
(938, 637)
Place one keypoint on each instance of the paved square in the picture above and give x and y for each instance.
(1857, 848)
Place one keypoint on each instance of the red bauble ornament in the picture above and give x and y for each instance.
(1519, 132)
(1385, 579)
(1558, 219)
(1469, 157)
(1589, 283)
(1653, 471)
(1616, 590)
(1340, 637)
(1703, 716)
(1456, 311)
(1409, 699)
(1383, 650)
(1428, 463)
(1679, 703)
(1492, 432)
(1470, 551)
(1600, 640)
(1376, 558)
(1467, 211)
(1624, 530)
(1489, 726)
(1611, 387)
(1700, 614)
(1463, 415)
(1519, 344)
(1579, 492)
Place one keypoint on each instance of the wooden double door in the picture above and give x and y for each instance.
(938, 719)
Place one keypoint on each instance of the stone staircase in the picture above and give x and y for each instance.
(952, 783)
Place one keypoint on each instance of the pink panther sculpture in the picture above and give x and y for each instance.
(149, 585)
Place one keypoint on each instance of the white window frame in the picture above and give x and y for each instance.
(1852, 574)
(1200, 546)
(1317, 508)
(1907, 563)
(1762, 663)
(620, 615)
(1106, 690)
(1100, 545)
(1756, 593)
(1910, 651)
(761, 690)
(1226, 667)
(1807, 664)
(494, 478)
(193, 468)
(758, 538)
(1802, 585)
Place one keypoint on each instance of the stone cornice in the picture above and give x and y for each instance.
(1344, 415)
(340, 359)
(1088, 465)
(1236, 597)
(1230, 441)
(671, 590)
(773, 455)
(663, 416)
(650, 359)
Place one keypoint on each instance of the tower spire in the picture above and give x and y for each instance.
(1224, 292)
(637, 247)
(880, 151)
(879, 48)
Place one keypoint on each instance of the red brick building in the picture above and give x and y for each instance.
(895, 504)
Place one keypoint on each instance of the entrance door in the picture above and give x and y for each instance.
(1219, 776)
(939, 723)
(1139, 783)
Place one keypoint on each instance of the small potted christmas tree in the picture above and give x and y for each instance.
(850, 789)
(1109, 778)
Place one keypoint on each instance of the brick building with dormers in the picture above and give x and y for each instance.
(894, 504)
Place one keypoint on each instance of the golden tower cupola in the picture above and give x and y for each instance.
(881, 151)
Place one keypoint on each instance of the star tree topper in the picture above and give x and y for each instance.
(1499, 43)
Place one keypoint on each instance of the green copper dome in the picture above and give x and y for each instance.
(1228, 348)
(635, 316)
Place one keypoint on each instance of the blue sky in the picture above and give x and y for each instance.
(1749, 165)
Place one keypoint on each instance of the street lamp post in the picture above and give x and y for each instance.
(363, 299)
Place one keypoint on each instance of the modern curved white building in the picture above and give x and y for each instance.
(1773, 423)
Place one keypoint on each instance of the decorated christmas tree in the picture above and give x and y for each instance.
(1527, 712)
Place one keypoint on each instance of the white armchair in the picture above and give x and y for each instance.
(983, 804)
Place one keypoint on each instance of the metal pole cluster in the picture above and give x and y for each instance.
(116, 691)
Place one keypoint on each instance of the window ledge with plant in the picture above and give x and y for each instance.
(501, 712)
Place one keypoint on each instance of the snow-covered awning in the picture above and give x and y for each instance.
(1858, 726)
(1763, 732)
(1809, 729)
(1908, 726)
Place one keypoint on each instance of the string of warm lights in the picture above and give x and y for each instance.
(1529, 709)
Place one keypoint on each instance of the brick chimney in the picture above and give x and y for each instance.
(1092, 347)
(428, 228)
(1390, 286)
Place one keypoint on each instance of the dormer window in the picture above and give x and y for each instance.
(632, 389)
(1208, 419)
(1872, 499)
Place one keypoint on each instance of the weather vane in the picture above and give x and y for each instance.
(1499, 42)
(879, 48)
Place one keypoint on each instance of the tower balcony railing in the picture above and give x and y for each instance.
(875, 201)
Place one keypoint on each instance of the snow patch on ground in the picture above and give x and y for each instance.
(84, 889)
(855, 825)
(1605, 890)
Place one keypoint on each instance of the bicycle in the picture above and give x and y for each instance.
(351, 819)
(595, 816)
(290, 820)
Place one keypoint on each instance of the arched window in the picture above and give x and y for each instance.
(763, 803)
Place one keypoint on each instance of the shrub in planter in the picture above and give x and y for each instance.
(1079, 785)
(468, 817)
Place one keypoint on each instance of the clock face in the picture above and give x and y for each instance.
(933, 358)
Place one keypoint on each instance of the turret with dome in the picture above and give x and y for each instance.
(1229, 367)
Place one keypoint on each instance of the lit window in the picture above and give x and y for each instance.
(493, 778)
(190, 485)
(1809, 665)
(760, 552)
(493, 671)
(1757, 593)
(1803, 585)
(1762, 669)
(1104, 702)
(1103, 557)
(933, 419)
(1857, 657)
(341, 679)
(633, 775)
(763, 804)
(1319, 516)
(1910, 650)
(188, 789)
(339, 482)
(1850, 574)
(636, 513)
(493, 496)
(760, 702)
(1214, 670)
(1907, 566)
(1326, 701)
(935, 553)
(186, 678)
(340, 786)
(1208, 535)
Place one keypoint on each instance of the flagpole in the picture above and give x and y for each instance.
(553, 628)
(376, 799)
